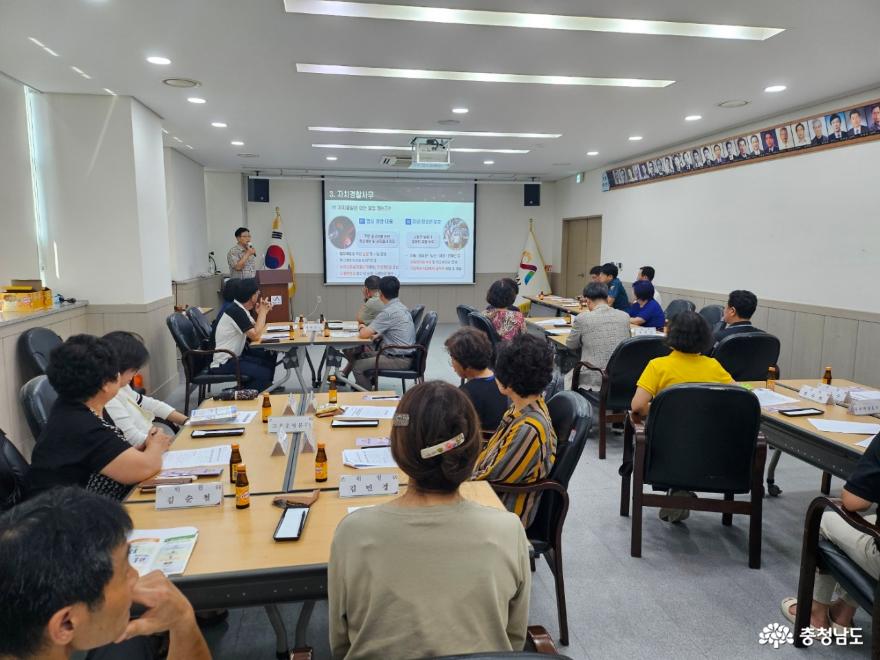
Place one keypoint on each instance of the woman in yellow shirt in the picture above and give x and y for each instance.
(688, 336)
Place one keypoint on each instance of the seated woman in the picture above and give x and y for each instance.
(507, 319)
(861, 490)
(524, 446)
(471, 353)
(235, 328)
(688, 336)
(133, 413)
(646, 311)
(80, 446)
(429, 573)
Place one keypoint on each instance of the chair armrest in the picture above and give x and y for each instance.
(232, 355)
(576, 376)
(539, 640)
(534, 487)
(414, 347)
(852, 518)
(301, 653)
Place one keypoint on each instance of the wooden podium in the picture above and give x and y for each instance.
(274, 284)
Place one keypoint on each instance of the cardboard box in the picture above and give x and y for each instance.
(26, 296)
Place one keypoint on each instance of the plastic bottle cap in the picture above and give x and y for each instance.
(241, 467)
(321, 445)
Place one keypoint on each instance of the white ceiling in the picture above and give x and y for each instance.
(245, 54)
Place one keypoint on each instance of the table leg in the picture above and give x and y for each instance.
(281, 648)
(293, 363)
(302, 623)
(772, 489)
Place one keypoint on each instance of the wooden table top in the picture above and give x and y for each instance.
(232, 540)
(562, 304)
(831, 412)
(265, 472)
(338, 439)
(297, 338)
(797, 383)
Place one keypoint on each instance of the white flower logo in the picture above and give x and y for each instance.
(776, 635)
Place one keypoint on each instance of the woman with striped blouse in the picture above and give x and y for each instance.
(523, 448)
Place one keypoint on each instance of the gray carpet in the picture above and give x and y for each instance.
(691, 595)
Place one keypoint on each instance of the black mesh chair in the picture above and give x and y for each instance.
(37, 397)
(197, 360)
(416, 313)
(201, 324)
(556, 384)
(13, 471)
(572, 417)
(678, 306)
(703, 438)
(34, 346)
(821, 553)
(712, 314)
(464, 312)
(419, 350)
(619, 378)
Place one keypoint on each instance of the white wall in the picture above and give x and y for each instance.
(502, 223)
(187, 216)
(224, 203)
(802, 229)
(16, 197)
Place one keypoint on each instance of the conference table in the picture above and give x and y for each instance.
(236, 562)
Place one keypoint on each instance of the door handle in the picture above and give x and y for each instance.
(581, 274)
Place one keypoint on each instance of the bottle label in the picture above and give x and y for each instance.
(242, 495)
(233, 472)
(321, 471)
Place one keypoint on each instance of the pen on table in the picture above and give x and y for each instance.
(381, 398)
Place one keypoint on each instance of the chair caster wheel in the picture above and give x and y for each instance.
(773, 490)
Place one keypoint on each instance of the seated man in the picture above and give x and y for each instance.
(235, 328)
(862, 490)
(393, 326)
(645, 311)
(523, 448)
(372, 302)
(67, 585)
(471, 354)
(617, 297)
(595, 271)
(597, 333)
(741, 304)
(647, 273)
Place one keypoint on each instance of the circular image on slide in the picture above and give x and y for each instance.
(341, 232)
(456, 234)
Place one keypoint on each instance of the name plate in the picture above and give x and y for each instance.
(313, 327)
(186, 496)
(816, 394)
(360, 485)
(282, 444)
(838, 394)
(864, 407)
(637, 331)
(290, 424)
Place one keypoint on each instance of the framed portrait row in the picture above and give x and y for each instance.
(836, 128)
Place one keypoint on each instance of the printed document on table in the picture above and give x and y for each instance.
(832, 426)
(167, 550)
(367, 412)
(376, 457)
(770, 398)
(558, 321)
(188, 458)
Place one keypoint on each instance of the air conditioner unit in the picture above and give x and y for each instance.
(431, 153)
(401, 162)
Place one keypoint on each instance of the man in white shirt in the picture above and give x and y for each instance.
(647, 273)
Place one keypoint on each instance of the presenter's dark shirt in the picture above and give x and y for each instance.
(864, 481)
(488, 401)
(73, 449)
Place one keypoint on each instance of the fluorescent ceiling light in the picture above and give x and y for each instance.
(187, 146)
(112, 93)
(775, 88)
(237, 143)
(76, 69)
(163, 130)
(51, 52)
(431, 131)
(635, 138)
(218, 124)
(37, 41)
(378, 147)
(488, 162)
(460, 111)
(693, 118)
(475, 76)
(592, 153)
(524, 20)
(176, 139)
(158, 60)
(332, 158)
(196, 100)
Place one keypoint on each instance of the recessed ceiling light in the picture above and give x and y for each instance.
(693, 118)
(592, 153)
(488, 162)
(524, 20)
(155, 59)
(476, 76)
(332, 158)
(635, 138)
(775, 88)
(460, 111)
(76, 69)
(237, 143)
(112, 93)
(197, 100)
(379, 147)
(182, 83)
(430, 131)
(218, 124)
(187, 146)
(733, 103)
(163, 130)
(176, 139)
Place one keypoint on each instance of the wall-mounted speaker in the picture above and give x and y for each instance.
(258, 190)
(532, 194)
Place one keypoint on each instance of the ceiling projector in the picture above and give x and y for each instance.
(430, 153)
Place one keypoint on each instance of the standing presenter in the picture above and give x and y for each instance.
(242, 257)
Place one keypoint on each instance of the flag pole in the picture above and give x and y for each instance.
(538, 246)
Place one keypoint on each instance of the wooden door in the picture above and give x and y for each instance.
(582, 238)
